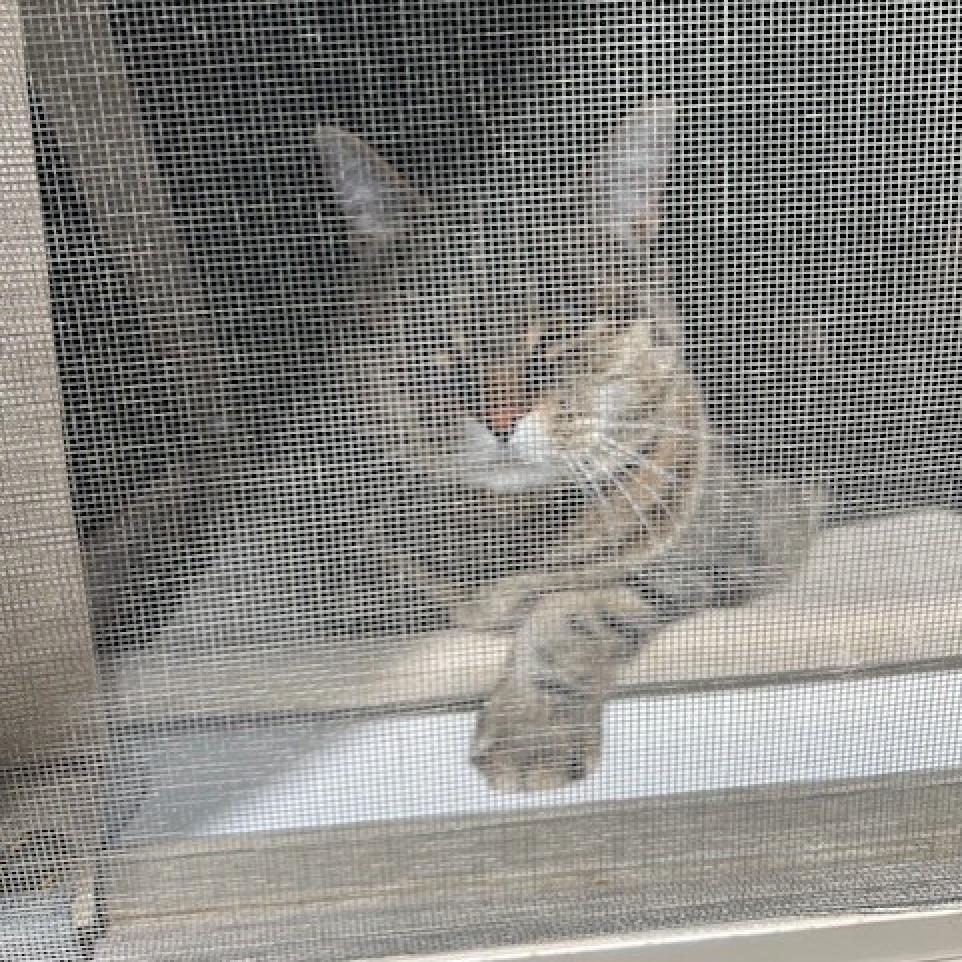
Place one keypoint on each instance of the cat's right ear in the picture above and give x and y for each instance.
(378, 202)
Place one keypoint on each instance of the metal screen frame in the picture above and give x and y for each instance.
(332, 875)
(321, 879)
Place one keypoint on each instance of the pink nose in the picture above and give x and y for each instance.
(501, 421)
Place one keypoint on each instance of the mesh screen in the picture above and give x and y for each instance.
(513, 449)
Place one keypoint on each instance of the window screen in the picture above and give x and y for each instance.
(475, 474)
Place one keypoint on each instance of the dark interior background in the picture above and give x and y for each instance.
(814, 203)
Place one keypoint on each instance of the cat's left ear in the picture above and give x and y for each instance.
(378, 202)
(633, 169)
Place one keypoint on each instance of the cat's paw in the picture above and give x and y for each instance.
(536, 737)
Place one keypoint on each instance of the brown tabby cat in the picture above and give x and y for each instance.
(522, 359)
(512, 442)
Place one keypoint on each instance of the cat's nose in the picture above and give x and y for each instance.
(502, 421)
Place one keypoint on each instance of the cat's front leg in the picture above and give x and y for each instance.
(540, 727)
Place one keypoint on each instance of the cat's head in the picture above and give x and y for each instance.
(521, 337)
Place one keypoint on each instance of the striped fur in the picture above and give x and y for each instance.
(520, 365)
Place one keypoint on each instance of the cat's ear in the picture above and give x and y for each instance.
(633, 169)
(378, 202)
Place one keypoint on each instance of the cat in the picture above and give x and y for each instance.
(512, 443)
(527, 363)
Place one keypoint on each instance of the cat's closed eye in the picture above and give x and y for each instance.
(451, 377)
(542, 367)
(442, 371)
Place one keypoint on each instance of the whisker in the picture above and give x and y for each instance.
(656, 497)
(671, 430)
(622, 490)
(614, 445)
(615, 529)
(670, 476)
(647, 488)
(590, 487)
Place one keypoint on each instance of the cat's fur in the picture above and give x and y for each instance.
(520, 365)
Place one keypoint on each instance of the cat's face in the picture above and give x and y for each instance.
(516, 344)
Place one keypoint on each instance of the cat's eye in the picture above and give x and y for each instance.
(443, 371)
(450, 376)
(543, 364)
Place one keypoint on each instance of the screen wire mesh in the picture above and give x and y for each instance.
(513, 451)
